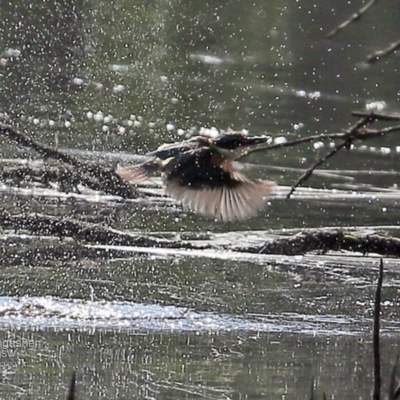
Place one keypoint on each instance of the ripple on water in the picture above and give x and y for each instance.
(55, 313)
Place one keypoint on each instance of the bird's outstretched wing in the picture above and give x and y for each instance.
(213, 187)
(141, 172)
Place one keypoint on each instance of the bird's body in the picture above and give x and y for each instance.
(201, 173)
(173, 149)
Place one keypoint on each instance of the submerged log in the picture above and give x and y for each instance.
(324, 240)
(55, 253)
(48, 225)
(101, 178)
(65, 176)
(311, 240)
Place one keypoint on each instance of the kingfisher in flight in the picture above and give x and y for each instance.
(201, 173)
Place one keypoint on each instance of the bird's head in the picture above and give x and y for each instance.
(236, 145)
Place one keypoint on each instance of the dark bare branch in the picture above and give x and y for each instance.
(347, 143)
(377, 116)
(108, 181)
(378, 55)
(71, 389)
(359, 134)
(353, 18)
(47, 151)
(309, 172)
(375, 336)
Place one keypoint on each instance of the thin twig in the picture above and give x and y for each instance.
(377, 116)
(309, 172)
(380, 132)
(378, 55)
(361, 122)
(375, 337)
(352, 131)
(353, 18)
(358, 134)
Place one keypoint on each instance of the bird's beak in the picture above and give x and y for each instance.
(249, 145)
(256, 142)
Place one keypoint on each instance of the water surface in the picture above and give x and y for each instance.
(109, 82)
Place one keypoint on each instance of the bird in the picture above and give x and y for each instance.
(202, 174)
